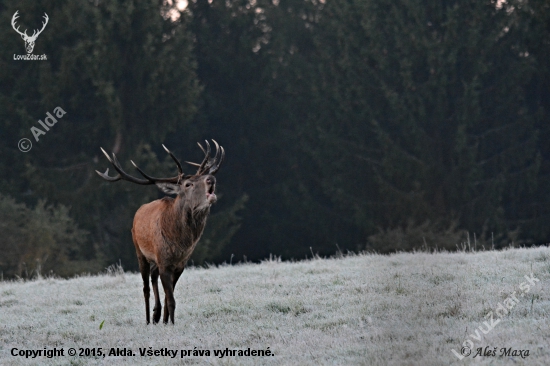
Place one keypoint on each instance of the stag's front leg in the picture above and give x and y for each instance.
(166, 277)
(175, 277)
(158, 307)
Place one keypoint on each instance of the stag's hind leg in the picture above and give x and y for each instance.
(144, 269)
(154, 279)
(177, 274)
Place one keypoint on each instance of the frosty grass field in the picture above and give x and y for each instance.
(368, 309)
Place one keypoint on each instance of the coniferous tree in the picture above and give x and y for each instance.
(124, 74)
(418, 112)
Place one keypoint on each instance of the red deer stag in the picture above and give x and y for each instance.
(166, 231)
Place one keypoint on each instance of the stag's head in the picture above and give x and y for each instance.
(29, 40)
(195, 191)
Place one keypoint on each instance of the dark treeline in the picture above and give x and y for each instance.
(351, 124)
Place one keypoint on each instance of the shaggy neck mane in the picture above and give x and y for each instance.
(182, 225)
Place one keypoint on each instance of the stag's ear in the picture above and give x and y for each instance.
(169, 188)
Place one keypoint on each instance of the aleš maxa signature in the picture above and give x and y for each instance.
(508, 352)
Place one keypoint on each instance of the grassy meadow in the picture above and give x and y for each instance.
(367, 309)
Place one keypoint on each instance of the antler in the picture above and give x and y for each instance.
(175, 159)
(24, 34)
(148, 179)
(13, 19)
(209, 165)
(35, 34)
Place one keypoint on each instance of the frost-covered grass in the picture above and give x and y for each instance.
(402, 309)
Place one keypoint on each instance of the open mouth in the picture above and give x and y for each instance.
(210, 196)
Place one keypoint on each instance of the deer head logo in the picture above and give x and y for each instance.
(29, 40)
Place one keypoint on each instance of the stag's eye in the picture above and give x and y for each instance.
(188, 184)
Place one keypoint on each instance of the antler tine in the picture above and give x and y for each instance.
(212, 161)
(217, 150)
(121, 173)
(205, 160)
(46, 18)
(153, 179)
(13, 19)
(202, 148)
(216, 158)
(127, 176)
(208, 164)
(216, 167)
(180, 169)
(106, 155)
(107, 177)
(141, 171)
(148, 179)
